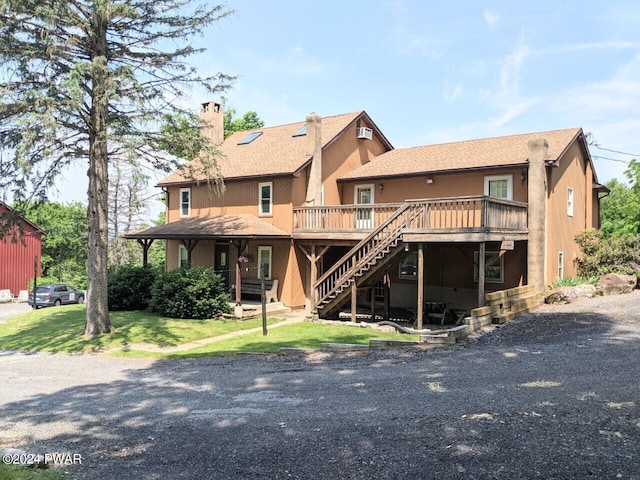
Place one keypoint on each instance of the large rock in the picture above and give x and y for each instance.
(616, 284)
(570, 294)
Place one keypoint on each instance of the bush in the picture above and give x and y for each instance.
(130, 287)
(189, 293)
(608, 255)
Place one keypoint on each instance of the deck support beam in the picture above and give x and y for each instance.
(314, 254)
(420, 306)
(481, 273)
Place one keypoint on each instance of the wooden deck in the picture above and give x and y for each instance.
(477, 218)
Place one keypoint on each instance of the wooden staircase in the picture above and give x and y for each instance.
(365, 261)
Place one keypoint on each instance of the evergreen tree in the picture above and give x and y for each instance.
(90, 80)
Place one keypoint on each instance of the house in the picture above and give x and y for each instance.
(336, 214)
(20, 250)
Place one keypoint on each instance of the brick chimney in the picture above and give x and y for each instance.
(212, 115)
(314, 148)
(537, 210)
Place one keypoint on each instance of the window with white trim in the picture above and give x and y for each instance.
(185, 202)
(183, 256)
(499, 186)
(266, 199)
(493, 270)
(264, 262)
(560, 265)
(570, 202)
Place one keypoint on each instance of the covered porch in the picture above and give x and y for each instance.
(221, 242)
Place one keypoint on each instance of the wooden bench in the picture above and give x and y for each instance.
(252, 286)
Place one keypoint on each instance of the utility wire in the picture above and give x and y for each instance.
(611, 159)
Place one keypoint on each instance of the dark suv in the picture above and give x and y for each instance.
(55, 295)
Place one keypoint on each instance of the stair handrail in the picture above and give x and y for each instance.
(362, 242)
(365, 259)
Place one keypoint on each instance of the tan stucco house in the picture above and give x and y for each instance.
(340, 217)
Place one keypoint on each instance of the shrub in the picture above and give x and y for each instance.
(189, 293)
(608, 255)
(130, 287)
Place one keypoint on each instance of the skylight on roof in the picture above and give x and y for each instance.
(301, 132)
(250, 138)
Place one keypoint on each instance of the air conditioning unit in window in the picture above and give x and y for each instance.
(364, 133)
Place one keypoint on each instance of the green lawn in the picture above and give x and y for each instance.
(15, 472)
(59, 330)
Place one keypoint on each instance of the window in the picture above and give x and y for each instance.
(493, 271)
(249, 138)
(569, 203)
(266, 199)
(499, 186)
(560, 265)
(183, 257)
(264, 261)
(185, 202)
(302, 132)
(409, 266)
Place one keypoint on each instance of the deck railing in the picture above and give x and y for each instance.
(438, 214)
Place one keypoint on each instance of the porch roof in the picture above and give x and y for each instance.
(212, 227)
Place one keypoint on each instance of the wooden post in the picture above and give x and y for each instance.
(145, 243)
(354, 302)
(263, 300)
(313, 259)
(35, 281)
(314, 256)
(481, 267)
(420, 285)
(387, 296)
(238, 285)
(373, 303)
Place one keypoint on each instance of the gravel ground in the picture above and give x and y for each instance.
(11, 309)
(553, 394)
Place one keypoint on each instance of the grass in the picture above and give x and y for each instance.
(59, 330)
(15, 472)
(574, 281)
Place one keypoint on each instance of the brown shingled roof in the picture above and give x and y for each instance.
(275, 152)
(209, 227)
(472, 154)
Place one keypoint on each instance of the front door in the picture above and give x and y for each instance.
(221, 263)
(364, 216)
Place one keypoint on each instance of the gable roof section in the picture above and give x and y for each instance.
(276, 152)
(484, 153)
(211, 227)
(7, 210)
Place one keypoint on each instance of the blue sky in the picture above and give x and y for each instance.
(431, 72)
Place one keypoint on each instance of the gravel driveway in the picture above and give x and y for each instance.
(553, 394)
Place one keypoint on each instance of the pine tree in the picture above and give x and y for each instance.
(90, 80)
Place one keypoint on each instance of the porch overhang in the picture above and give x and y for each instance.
(224, 227)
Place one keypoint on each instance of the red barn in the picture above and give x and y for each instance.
(16, 257)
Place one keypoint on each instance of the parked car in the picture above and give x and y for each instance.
(55, 295)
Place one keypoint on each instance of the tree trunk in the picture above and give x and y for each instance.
(97, 317)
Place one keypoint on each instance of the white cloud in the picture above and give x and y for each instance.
(490, 18)
(451, 94)
(619, 94)
(507, 99)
